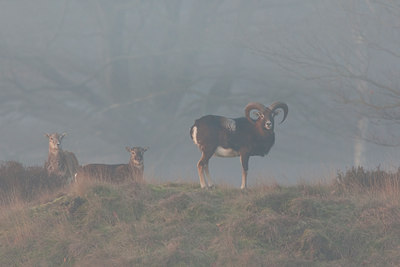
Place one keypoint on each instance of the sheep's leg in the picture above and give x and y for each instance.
(207, 172)
(201, 174)
(202, 167)
(244, 159)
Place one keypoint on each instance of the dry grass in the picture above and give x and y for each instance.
(20, 183)
(373, 181)
(350, 221)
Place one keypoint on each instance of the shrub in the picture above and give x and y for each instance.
(360, 179)
(25, 183)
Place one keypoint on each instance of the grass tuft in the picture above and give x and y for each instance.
(352, 221)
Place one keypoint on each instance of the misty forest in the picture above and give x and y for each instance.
(131, 73)
(125, 73)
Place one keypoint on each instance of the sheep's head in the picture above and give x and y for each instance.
(55, 140)
(137, 154)
(265, 115)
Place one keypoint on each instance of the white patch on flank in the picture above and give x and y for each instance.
(226, 152)
(194, 135)
(229, 124)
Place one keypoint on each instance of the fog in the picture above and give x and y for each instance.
(138, 73)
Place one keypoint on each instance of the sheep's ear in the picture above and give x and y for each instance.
(47, 135)
(128, 149)
(62, 135)
(145, 148)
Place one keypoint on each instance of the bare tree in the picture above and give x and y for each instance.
(350, 49)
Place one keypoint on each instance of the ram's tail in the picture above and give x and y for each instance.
(191, 132)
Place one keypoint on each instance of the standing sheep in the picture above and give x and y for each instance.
(60, 162)
(239, 137)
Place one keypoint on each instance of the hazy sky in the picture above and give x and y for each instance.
(122, 73)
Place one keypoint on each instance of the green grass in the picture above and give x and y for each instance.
(179, 224)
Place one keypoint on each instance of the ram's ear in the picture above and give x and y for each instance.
(47, 135)
(128, 149)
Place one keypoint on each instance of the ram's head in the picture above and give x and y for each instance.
(265, 115)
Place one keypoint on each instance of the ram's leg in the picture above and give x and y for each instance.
(207, 172)
(202, 167)
(200, 170)
(244, 159)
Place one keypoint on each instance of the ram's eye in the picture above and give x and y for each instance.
(260, 115)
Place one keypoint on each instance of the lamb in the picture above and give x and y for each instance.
(116, 172)
(244, 137)
(60, 162)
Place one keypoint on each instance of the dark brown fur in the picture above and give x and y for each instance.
(244, 137)
(116, 172)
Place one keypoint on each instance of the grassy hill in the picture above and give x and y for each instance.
(352, 221)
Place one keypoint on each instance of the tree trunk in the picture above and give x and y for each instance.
(361, 86)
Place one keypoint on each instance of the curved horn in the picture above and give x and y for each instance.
(254, 105)
(281, 105)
